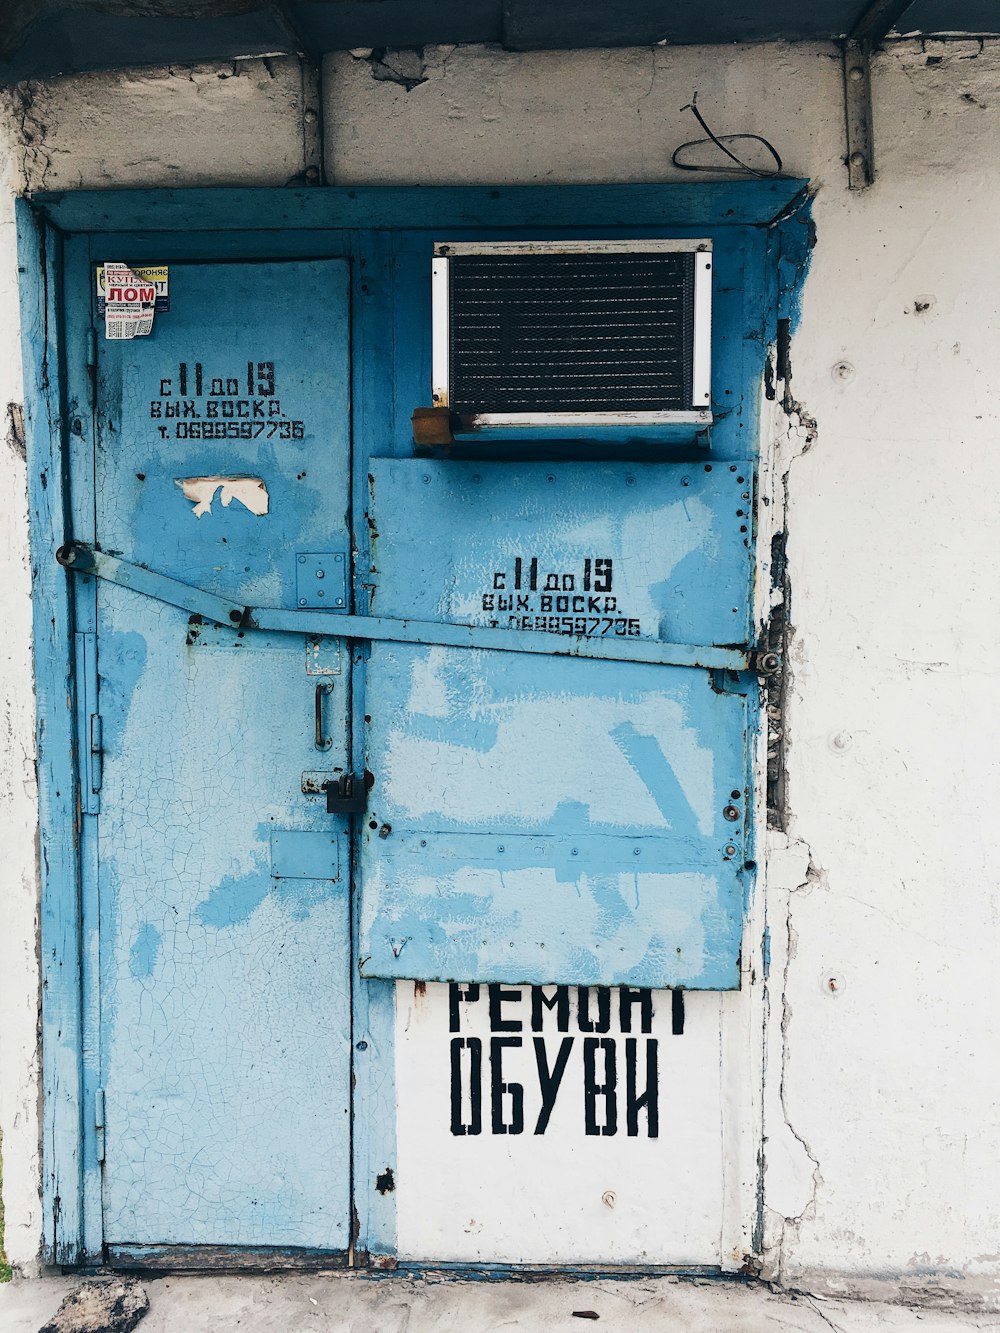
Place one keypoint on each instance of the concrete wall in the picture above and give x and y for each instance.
(882, 1090)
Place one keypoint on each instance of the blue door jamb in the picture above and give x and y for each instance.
(251, 224)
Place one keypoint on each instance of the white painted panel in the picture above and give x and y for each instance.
(561, 1196)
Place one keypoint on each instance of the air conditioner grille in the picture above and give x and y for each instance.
(580, 332)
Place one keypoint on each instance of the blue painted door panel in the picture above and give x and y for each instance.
(653, 551)
(223, 888)
(556, 820)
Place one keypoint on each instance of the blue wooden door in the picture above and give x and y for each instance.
(541, 819)
(223, 461)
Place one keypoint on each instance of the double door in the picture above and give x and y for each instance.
(509, 815)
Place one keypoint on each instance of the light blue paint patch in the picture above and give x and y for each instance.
(145, 951)
(647, 758)
(299, 897)
(233, 901)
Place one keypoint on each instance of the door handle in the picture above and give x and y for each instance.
(323, 741)
(349, 794)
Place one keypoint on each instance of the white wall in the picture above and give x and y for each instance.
(882, 1099)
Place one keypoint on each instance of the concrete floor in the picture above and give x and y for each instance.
(339, 1303)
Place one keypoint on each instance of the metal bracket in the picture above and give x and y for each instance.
(876, 20)
(312, 119)
(321, 580)
(858, 114)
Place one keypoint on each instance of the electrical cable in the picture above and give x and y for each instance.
(720, 141)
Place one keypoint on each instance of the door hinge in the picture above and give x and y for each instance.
(90, 731)
(99, 1122)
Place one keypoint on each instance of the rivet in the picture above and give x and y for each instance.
(857, 159)
(574, 852)
(427, 481)
(361, 1046)
(309, 116)
(856, 73)
(321, 573)
(302, 601)
(302, 560)
(636, 851)
(729, 849)
(500, 849)
(731, 813)
(339, 558)
(338, 602)
(630, 481)
(312, 173)
(320, 592)
(423, 842)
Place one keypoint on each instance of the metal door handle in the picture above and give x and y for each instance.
(323, 741)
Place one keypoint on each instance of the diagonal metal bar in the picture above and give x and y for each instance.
(81, 558)
(877, 19)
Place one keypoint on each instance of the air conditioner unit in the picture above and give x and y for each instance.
(568, 338)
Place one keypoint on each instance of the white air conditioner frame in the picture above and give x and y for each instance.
(700, 413)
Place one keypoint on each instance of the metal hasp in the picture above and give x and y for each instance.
(877, 19)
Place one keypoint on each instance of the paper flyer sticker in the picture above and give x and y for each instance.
(129, 298)
(157, 274)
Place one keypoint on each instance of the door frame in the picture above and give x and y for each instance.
(55, 232)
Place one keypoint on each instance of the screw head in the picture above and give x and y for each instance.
(842, 372)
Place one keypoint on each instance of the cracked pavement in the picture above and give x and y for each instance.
(433, 1303)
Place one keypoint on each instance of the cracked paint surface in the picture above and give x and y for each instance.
(224, 937)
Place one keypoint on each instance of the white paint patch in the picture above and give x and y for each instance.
(541, 1197)
(250, 491)
(428, 689)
